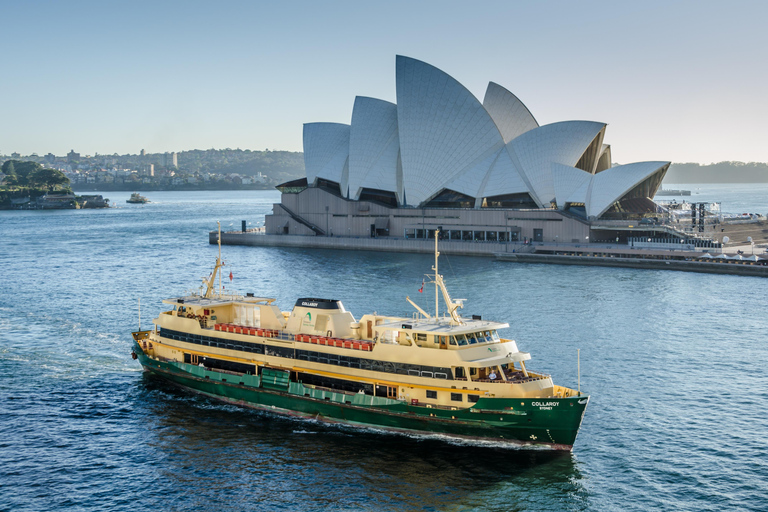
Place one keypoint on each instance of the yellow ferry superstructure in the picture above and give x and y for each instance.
(444, 375)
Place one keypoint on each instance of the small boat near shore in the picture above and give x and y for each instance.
(137, 198)
(430, 374)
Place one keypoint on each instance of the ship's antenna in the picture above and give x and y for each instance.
(437, 314)
(219, 240)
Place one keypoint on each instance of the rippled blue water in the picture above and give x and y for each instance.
(675, 362)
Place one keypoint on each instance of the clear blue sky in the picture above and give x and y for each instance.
(684, 81)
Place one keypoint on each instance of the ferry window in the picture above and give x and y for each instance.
(459, 372)
(487, 335)
(471, 338)
(473, 398)
(456, 397)
(453, 340)
(495, 335)
(461, 339)
(431, 394)
(421, 336)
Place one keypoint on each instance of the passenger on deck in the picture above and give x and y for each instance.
(492, 376)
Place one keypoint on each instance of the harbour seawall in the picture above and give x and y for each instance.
(577, 254)
(386, 244)
(640, 262)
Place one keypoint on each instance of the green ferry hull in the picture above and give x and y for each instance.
(550, 423)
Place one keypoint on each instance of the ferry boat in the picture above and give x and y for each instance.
(137, 198)
(434, 374)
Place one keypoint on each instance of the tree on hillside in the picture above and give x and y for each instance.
(47, 178)
(22, 170)
(9, 169)
(34, 175)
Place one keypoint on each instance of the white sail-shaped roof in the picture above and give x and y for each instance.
(579, 195)
(561, 143)
(511, 116)
(610, 185)
(570, 184)
(443, 128)
(470, 180)
(326, 149)
(439, 136)
(503, 178)
(373, 146)
(604, 162)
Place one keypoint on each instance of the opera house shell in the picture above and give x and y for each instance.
(440, 147)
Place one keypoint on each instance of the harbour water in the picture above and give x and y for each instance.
(736, 198)
(675, 363)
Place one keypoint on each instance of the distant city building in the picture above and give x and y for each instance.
(15, 155)
(72, 156)
(50, 158)
(171, 160)
(143, 153)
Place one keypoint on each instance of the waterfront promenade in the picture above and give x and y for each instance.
(594, 254)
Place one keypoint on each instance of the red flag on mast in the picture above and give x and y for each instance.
(421, 290)
(231, 276)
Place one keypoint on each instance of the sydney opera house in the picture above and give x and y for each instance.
(440, 158)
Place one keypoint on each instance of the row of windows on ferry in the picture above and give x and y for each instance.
(318, 380)
(467, 235)
(470, 338)
(360, 363)
(370, 389)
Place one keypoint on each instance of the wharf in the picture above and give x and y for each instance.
(382, 244)
(608, 255)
